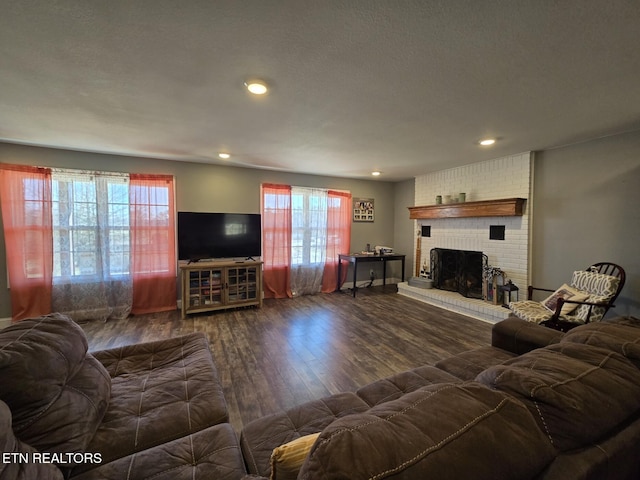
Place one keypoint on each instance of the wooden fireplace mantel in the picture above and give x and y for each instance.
(505, 207)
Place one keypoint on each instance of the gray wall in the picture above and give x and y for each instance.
(403, 226)
(586, 210)
(586, 205)
(201, 187)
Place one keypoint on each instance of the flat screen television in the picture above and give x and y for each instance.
(218, 235)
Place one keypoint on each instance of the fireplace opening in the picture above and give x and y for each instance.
(458, 271)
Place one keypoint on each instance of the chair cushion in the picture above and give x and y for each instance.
(443, 431)
(530, 310)
(566, 383)
(57, 392)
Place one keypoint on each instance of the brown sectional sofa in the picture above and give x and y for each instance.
(536, 404)
(151, 410)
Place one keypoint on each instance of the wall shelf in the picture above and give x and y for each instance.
(506, 207)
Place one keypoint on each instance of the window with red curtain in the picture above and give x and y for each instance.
(309, 213)
(153, 248)
(25, 198)
(84, 243)
(338, 237)
(276, 240)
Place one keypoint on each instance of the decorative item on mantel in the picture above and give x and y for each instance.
(493, 279)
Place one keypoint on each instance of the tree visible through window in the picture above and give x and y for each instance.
(88, 244)
(90, 226)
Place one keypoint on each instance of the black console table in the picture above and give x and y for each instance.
(357, 258)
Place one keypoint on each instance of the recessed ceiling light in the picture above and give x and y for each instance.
(487, 141)
(376, 173)
(224, 155)
(257, 87)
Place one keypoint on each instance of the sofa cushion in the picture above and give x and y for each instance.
(519, 336)
(161, 391)
(617, 337)
(611, 458)
(395, 386)
(564, 384)
(467, 365)
(17, 457)
(212, 453)
(57, 392)
(260, 437)
(426, 434)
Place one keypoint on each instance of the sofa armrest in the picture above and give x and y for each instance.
(519, 336)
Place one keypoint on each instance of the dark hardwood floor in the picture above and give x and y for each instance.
(294, 350)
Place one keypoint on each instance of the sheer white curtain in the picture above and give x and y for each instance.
(308, 239)
(91, 253)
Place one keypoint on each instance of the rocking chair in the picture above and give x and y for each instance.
(587, 299)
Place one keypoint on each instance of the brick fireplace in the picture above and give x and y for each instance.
(506, 177)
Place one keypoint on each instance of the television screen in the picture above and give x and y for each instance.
(218, 235)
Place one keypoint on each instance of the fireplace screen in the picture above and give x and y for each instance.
(458, 271)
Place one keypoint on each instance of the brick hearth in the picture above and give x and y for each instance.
(455, 302)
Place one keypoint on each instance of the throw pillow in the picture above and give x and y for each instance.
(567, 293)
(595, 283)
(601, 289)
(287, 459)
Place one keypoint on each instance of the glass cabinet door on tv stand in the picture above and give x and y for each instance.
(208, 286)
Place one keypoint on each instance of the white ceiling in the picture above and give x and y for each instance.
(403, 86)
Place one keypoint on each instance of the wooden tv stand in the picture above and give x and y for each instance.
(208, 286)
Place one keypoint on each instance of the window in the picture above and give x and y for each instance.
(308, 226)
(303, 232)
(90, 226)
(34, 208)
(88, 244)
